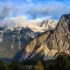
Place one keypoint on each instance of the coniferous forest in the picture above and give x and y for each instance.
(62, 62)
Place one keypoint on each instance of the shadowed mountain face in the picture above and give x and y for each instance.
(13, 41)
(51, 43)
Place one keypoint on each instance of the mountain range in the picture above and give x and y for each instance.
(44, 40)
(35, 25)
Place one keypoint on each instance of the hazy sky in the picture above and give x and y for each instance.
(34, 8)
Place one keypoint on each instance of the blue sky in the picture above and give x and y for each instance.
(33, 9)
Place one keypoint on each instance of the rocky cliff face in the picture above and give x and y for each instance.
(35, 46)
(60, 39)
(52, 42)
(11, 41)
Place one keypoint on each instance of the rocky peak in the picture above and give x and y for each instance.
(48, 24)
(63, 23)
(60, 39)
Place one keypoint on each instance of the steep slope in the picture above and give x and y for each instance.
(35, 46)
(52, 42)
(60, 39)
(13, 41)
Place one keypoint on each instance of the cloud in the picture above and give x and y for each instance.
(32, 9)
(51, 9)
(5, 11)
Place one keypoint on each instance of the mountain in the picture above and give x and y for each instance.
(21, 43)
(16, 33)
(34, 25)
(49, 24)
(13, 40)
(60, 39)
(50, 43)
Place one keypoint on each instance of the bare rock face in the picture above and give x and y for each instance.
(35, 46)
(13, 41)
(52, 42)
(60, 38)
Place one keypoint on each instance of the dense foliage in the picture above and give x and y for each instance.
(62, 62)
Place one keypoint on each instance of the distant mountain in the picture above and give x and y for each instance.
(49, 24)
(50, 43)
(34, 25)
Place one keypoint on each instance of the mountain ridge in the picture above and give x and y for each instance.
(57, 41)
(48, 44)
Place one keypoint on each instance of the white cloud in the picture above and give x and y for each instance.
(52, 9)
(5, 11)
(37, 10)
